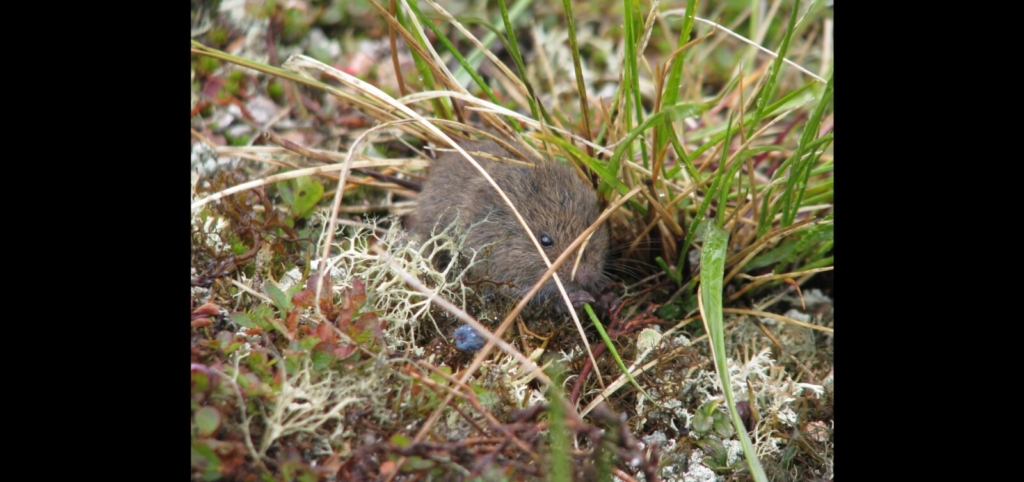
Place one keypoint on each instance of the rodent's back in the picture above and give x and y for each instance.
(556, 203)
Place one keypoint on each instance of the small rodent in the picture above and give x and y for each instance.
(556, 203)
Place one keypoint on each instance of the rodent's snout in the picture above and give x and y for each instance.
(586, 275)
(584, 272)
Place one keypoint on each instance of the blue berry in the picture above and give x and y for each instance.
(468, 340)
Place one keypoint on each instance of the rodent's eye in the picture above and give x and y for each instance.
(546, 240)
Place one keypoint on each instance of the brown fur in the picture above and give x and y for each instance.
(551, 197)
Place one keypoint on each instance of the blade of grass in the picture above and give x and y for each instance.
(476, 57)
(802, 169)
(712, 261)
(599, 167)
(581, 87)
(667, 114)
(558, 434)
(782, 255)
(536, 109)
(451, 48)
(796, 174)
(671, 90)
(716, 185)
(615, 354)
(441, 108)
(632, 30)
(482, 49)
(393, 42)
(768, 91)
(716, 134)
(723, 196)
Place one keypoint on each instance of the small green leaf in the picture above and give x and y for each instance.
(307, 343)
(715, 450)
(678, 307)
(265, 319)
(689, 302)
(244, 383)
(204, 458)
(708, 407)
(291, 364)
(671, 311)
(487, 397)
(722, 425)
(671, 272)
(439, 378)
(243, 320)
(307, 192)
(714, 465)
(207, 421)
(400, 440)
(322, 356)
(701, 423)
(232, 347)
(257, 361)
(200, 382)
(282, 300)
(415, 464)
(298, 471)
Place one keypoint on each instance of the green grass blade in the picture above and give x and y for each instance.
(727, 177)
(462, 75)
(581, 87)
(441, 108)
(451, 48)
(536, 109)
(801, 171)
(615, 354)
(712, 262)
(601, 168)
(666, 115)
(671, 90)
(719, 183)
(716, 132)
(560, 457)
(632, 26)
(769, 87)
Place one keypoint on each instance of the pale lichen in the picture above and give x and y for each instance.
(308, 399)
(402, 308)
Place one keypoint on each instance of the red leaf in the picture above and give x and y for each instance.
(369, 322)
(344, 317)
(312, 281)
(208, 309)
(357, 292)
(212, 86)
(292, 322)
(344, 351)
(332, 464)
(325, 333)
(354, 121)
(386, 468)
(327, 308)
(304, 298)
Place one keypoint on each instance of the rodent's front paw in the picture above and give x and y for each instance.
(579, 297)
